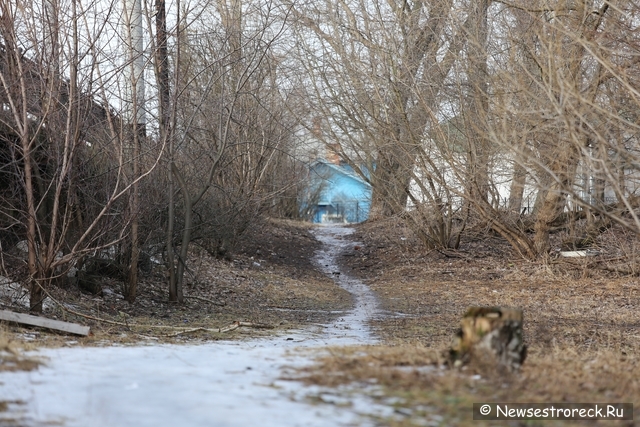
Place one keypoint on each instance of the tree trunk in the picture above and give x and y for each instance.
(478, 107)
(175, 287)
(164, 94)
(517, 238)
(516, 191)
(390, 183)
(36, 293)
(135, 69)
(21, 116)
(552, 200)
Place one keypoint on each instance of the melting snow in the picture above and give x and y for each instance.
(213, 384)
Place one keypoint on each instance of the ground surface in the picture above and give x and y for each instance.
(270, 281)
(224, 383)
(581, 326)
(581, 317)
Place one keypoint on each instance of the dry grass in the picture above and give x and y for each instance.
(11, 357)
(446, 397)
(594, 314)
(580, 326)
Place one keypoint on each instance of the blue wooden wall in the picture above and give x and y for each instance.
(344, 196)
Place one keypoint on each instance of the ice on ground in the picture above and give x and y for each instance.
(214, 384)
(218, 384)
(365, 302)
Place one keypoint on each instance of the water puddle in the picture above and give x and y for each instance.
(213, 384)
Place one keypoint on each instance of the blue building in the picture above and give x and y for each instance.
(337, 194)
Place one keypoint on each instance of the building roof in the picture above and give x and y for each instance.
(341, 170)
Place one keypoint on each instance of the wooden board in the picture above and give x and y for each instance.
(58, 325)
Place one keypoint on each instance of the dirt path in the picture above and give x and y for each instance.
(221, 384)
(353, 328)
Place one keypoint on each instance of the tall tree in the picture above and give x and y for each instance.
(67, 153)
(376, 73)
(135, 109)
(228, 126)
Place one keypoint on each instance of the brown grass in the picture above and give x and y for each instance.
(11, 357)
(580, 326)
(558, 375)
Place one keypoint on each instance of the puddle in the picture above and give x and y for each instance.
(214, 384)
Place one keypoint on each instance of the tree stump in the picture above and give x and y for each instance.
(490, 335)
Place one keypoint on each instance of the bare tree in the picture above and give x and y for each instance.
(135, 109)
(552, 117)
(59, 126)
(475, 104)
(226, 124)
(376, 71)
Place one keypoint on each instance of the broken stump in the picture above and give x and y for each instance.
(490, 335)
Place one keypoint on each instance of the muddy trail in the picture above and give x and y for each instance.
(237, 383)
(353, 327)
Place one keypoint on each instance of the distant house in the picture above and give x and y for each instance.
(337, 194)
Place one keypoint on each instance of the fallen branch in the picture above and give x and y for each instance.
(256, 325)
(231, 327)
(623, 271)
(235, 325)
(188, 331)
(87, 316)
(180, 330)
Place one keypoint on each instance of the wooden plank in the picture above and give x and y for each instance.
(58, 325)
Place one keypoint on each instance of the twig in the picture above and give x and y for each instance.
(619, 270)
(99, 319)
(235, 325)
(4, 269)
(255, 325)
(147, 337)
(87, 316)
(231, 327)
(188, 331)
(76, 313)
(455, 254)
